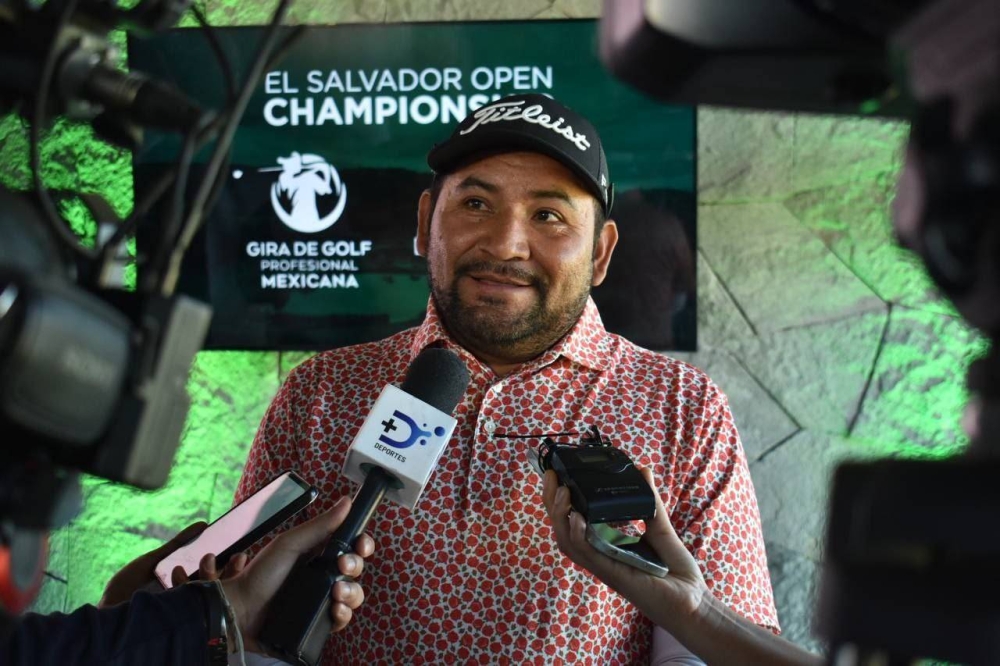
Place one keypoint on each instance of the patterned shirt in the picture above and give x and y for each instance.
(474, 573)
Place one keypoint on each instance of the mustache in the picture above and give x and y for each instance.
(501, 269)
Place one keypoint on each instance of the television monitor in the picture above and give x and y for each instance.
(311, 244)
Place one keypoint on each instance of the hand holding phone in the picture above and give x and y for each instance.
(138, 574)
(629, 550)
(241, 527)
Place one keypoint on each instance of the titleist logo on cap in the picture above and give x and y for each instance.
(511, 111)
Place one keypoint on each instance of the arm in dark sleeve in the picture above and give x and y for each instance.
(165, 629)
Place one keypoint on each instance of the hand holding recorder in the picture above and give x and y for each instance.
(678, 601)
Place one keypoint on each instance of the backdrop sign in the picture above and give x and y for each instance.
(312, 243)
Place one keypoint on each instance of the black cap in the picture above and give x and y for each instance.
(535, 123)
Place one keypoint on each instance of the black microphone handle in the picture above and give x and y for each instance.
(363, 506)
(297, 621)
(147, 102)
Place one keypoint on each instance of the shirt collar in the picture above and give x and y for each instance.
(588, 343)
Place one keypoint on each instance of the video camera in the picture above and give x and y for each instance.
(901, 533)
(92, 374)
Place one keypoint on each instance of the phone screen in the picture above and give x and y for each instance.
(254, 517)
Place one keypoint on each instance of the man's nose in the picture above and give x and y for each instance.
(506, 237)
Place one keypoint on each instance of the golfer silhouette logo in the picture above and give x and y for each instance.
(304, 179)
(392, 425)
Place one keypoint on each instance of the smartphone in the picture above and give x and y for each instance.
(241, 526)
(627, 549)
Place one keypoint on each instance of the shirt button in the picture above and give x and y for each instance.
(489, 426)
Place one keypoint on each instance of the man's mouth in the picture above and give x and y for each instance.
(498, 279)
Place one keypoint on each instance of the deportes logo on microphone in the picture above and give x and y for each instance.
(391, 426)
(403, 435)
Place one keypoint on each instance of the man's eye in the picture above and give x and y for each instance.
(475, 204)
(548, 216)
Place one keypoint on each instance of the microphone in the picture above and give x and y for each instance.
(393, 456)
(88, 84)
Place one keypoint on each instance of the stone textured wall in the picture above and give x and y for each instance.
(828, 340)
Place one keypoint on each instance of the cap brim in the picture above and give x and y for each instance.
(451, 155)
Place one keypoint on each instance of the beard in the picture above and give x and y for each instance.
(489, 326)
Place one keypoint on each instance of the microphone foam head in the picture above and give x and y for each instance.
(438, 377)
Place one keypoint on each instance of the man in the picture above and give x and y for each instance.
(515, 234)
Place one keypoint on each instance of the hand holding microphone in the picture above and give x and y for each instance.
(393, 454)
(251, 591)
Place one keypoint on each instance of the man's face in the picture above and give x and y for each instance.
(511, 254)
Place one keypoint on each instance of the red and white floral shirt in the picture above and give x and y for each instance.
(474, 573)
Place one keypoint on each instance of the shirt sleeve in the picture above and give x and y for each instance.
(277, 444)
(716, 515)
(165, 629)
(667, 650)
